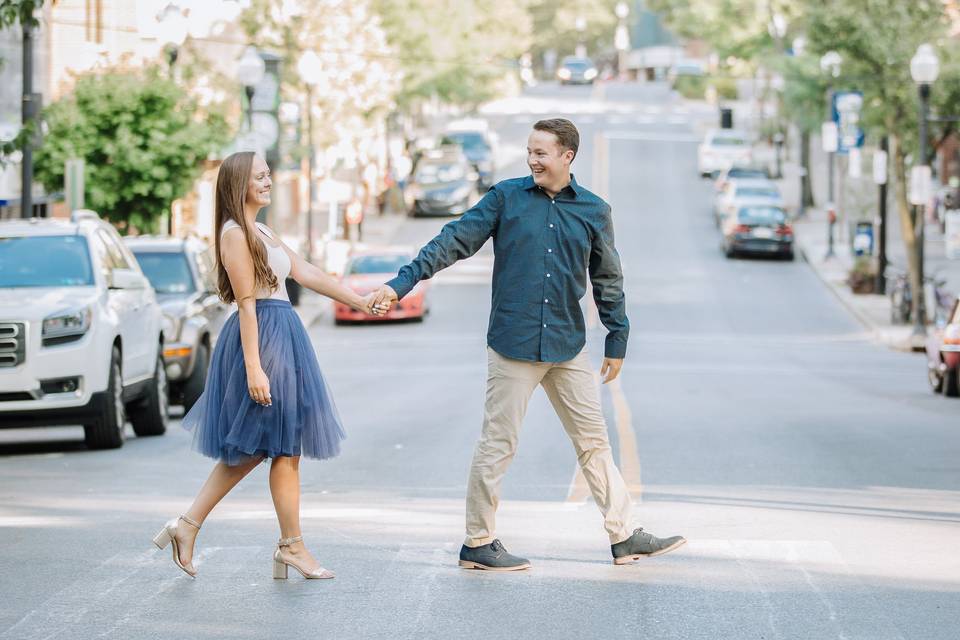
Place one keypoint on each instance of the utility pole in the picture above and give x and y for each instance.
(29, 109)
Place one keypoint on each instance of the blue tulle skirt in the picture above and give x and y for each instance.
(303, 420)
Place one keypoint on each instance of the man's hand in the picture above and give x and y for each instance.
(610, 369)
(384, 298)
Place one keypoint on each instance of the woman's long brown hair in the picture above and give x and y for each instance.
(233, 178)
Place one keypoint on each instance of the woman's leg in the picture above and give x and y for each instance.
(221, 480)
(285, 489)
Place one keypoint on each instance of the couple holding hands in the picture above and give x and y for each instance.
(265, 396)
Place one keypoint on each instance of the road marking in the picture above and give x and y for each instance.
(600, 175)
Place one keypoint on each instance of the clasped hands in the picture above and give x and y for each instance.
(377, 303)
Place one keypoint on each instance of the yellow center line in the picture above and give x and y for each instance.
(623, 417)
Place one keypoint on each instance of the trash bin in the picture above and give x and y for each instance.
(726, 118)
(863, 238)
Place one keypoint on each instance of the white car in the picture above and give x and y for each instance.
(737, 192)
(722, 148)
(80, 331)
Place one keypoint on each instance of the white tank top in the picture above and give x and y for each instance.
(277, 258)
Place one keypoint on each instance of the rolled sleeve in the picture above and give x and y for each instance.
(606, 277)
(457, 240)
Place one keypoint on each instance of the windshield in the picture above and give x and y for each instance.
(469, 141)
(45, 261)
(762, 215)
(431, 172)
(377, 264)
(728, 141)
(757, 192)
(577, 65)
(168, 272)
(738, 172)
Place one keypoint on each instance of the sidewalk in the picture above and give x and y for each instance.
(377, 230)
(871, 310)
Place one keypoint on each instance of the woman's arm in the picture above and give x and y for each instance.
(238, 262)
(315, 278)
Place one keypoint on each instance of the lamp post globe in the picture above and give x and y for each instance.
(925, 65)
(250, 71)
(310, 68)
(830, 63)
(622, 10)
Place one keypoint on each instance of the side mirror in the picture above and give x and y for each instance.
(127, 279)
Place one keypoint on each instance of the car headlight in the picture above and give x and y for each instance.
(460, 193)
(415, 192)
(564, 74)
(171, 328)
(589, 74)
(74, 322)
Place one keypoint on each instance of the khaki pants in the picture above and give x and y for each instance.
(572, 389)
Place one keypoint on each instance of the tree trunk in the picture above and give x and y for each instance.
(906, 223)
(806, 185)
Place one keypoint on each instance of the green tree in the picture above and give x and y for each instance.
(14, 12)
(458, 52)
(143, 142)
(877, 40)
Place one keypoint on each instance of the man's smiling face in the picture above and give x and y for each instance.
(548, 161)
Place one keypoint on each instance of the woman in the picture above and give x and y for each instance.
(265, 396)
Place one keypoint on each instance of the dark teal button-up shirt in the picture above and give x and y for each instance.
(543, 250)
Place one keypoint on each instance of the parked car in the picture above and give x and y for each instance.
(183, 275)
(943, 356)
(444, 183)
(80, 331)
(738, 172)
(366, 271)
(477, 143)
(743, 192)
(758, 229)
(576, 70)
(723, 148)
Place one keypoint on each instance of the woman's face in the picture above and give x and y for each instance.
(259, 185)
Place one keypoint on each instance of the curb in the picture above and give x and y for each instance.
(877, 334)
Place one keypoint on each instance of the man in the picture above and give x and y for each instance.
(548, 233)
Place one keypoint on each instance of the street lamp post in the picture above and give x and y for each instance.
(250, 71)
(310, 69)
(830, 64)
(924, 68)
(621, 39)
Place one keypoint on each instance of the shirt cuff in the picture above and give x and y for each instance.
(400, 286)
(614, 348)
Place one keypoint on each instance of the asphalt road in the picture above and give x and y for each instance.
(814, 474)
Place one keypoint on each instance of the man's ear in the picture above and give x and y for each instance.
(568, 156)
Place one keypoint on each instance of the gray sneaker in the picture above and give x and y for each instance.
(491, 557)
(642, 544)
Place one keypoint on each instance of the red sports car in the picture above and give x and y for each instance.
(943, 356)
(365, 272)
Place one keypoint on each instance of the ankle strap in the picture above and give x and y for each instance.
(286, 542)
(189, 521)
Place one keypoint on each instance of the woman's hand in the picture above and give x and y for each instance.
(258, 385)
(368, 305)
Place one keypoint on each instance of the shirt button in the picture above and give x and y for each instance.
(544, 326)
(548, 275)
(546, 300)
(549, 250)
(551, 226)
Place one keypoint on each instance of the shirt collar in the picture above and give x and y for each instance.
(529, 185)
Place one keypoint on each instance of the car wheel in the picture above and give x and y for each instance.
(107, 431)
(951, 382)
(149, 416)
(789, 256)
(193, 387)
(935, 380)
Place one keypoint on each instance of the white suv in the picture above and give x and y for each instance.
(80, 331)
